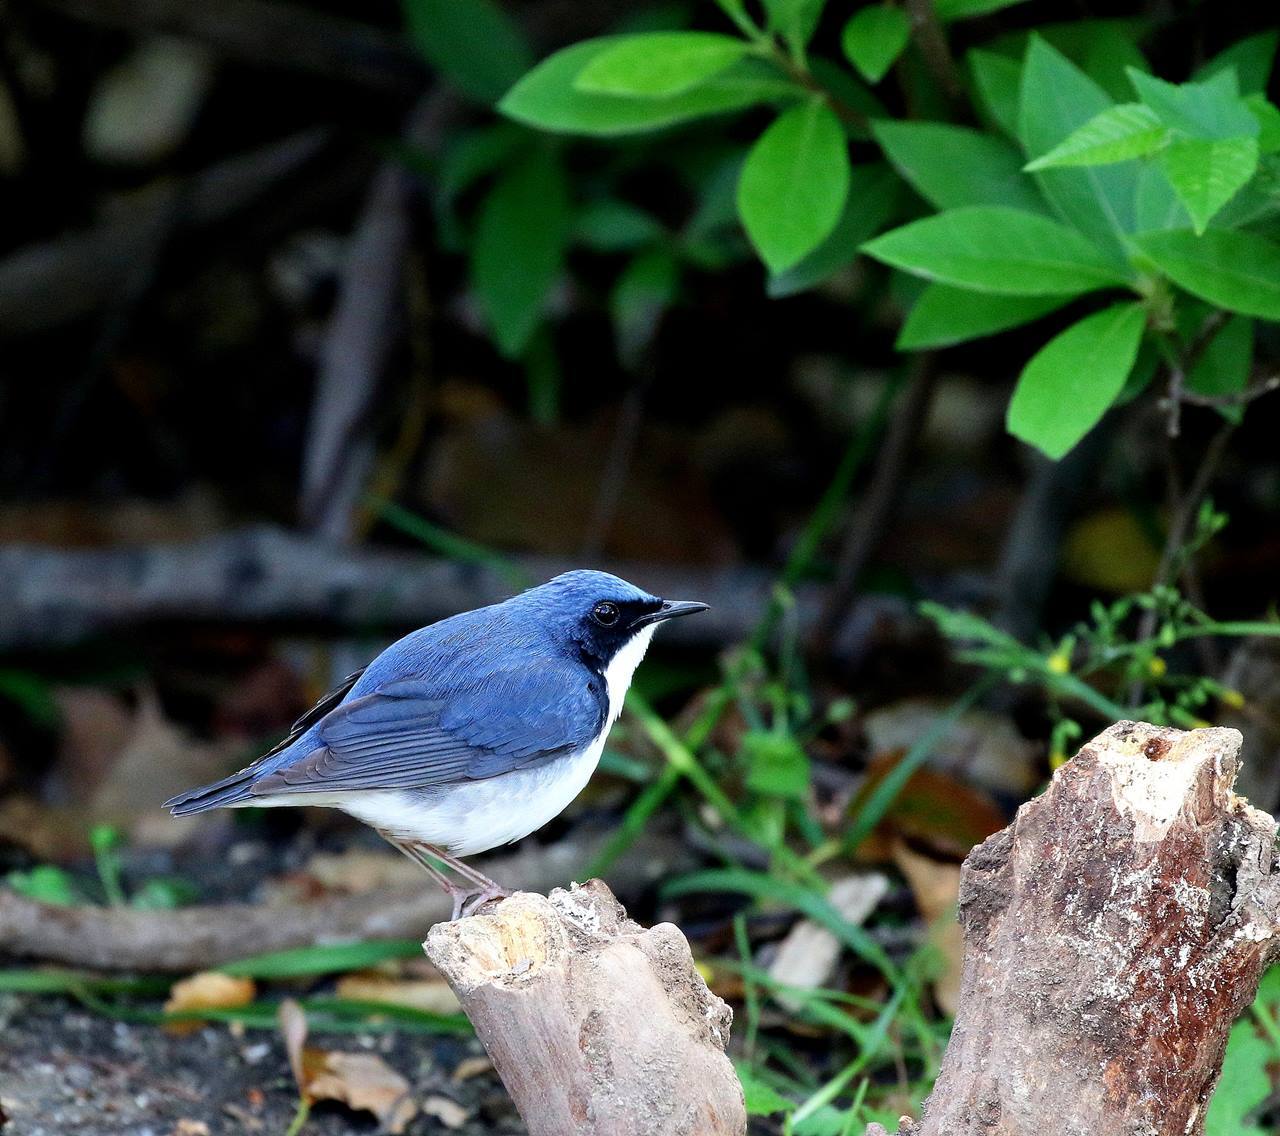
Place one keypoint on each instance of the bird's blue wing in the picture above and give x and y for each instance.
(410, 734)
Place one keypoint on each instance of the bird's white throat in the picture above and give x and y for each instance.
(621, 668)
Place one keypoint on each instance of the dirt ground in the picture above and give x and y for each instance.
(66, 1072)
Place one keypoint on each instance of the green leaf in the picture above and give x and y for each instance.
(1224, 365)
(1116, 134)
(547, 98)
(873, 197)
(998, 80)
(644, 291)
(474, 43)
(948, 10)
(1206, 174)
(794, 184)
(659, 64)
(777, 765)
(616, 226)
(953, 166)
(32, 695)
(1070, 382)
(1234, 270)
(944, 315)
(760, 886)
(519, 248)
(873, 39)
(994, 249)
(1056, 99)
(164, 893)
(1156, 206)
(1243, 1085)
(1251, 59)
(1268, 123)
(332, 958)
(46, 884)
(796, 20)
(762, 1099)
(1211, 110)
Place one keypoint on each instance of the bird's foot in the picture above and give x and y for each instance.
(467, 901)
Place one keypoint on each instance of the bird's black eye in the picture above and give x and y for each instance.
(605, 614)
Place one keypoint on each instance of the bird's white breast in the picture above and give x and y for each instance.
(474, 816)
(621, 668)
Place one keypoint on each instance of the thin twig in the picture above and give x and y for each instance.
(934, 50)
(866, 528)
(1183, 505)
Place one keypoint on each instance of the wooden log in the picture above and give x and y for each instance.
(53, 596)
(1113, 933)
(197, 938)
(596, 1025)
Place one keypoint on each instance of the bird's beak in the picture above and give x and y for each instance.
(669, 610)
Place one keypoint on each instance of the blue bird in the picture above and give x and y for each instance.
(469, 733)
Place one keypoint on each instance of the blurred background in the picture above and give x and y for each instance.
(305, 344)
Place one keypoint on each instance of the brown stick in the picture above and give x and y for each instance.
(267, 34)
(196, 938)
(54, 596)
(1112, 935)
(596, 1025)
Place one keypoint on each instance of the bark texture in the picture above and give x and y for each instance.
(596, 1025)
(1113, 933)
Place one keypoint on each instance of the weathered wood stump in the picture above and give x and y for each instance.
(595, 1025)
(1113, 933)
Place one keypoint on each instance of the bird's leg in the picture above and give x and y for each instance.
(466, 900)
(484, 888)
(417, 853)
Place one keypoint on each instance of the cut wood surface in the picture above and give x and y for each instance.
(1113, 933)
(596, 1025)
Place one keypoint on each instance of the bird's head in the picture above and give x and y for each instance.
(600, 614)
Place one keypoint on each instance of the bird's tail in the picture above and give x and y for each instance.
(232, 790)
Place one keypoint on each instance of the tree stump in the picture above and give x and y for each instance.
(1113, 933)
(595, 1025)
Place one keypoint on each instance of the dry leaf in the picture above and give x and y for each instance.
(293, 1028)
(449, 1112)
(362, 1081)
(936, 885)
(470, 1067)
(207, 990)
(157, 760)
(360, 870)
(807, 957)
(433, 996)
(979, 747)
(932, 808)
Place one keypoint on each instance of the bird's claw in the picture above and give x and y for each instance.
(468, 902)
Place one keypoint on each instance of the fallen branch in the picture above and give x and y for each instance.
(52, 596)
(596, 1025)
(46, 285)
(1113, 933)
(196, 938)
(267, 34)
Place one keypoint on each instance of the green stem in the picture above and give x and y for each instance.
(299, 1117)
(884, 795)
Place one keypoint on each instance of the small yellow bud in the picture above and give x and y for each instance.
(1057, 759)
(1059, 663)
(1157, 667)
(704, 969)
(1200, 724)
(1233, 698)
